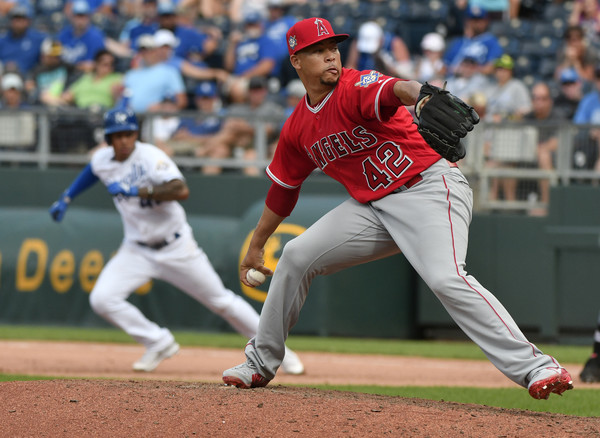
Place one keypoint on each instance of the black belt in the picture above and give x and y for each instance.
(411, 182)
(159, 245)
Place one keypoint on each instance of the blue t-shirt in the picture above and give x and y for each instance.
(80, 48)
(137, 30)
(207, 126)
(484, 48)
(151, 85)
(23, 51)
(250, 52)
(275, 32)
(588, 110)
(190, 41)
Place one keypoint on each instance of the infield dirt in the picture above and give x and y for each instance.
(184, 397)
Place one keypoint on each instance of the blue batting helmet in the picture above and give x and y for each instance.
(119, 120)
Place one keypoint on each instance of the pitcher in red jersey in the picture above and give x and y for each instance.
(354, 126)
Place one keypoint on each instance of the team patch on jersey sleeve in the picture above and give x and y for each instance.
(368, 79)
(162, 165)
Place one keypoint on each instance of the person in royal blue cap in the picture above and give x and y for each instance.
(249, 53)
(192, 43)
(571, 92)
(20, 45)
(193, 133)
(476, 42)
(145, 23)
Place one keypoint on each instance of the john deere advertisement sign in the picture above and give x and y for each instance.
(48, 269)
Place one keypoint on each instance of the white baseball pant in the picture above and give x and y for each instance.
(183, 264)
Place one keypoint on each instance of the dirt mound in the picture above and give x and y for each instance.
(184, 397)
(71, 408)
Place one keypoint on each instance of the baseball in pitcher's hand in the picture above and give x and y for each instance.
(253, 259)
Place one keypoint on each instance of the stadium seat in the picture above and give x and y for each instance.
(521, 28)
(547, 67)
(556, 10)
(375, 10)
(526, 65)
(501, 28)
(510, 45)
(305, 10)
(412, 33)
(542, 28)
(540, 46)
(335, 11)
(343, 24)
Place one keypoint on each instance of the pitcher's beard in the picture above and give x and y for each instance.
(330, 82)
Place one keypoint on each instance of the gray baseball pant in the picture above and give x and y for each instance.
(429, 224)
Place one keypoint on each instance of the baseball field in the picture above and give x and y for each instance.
(78, 382)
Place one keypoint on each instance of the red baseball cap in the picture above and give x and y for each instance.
(310, 31)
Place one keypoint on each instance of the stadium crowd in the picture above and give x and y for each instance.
(511, 59)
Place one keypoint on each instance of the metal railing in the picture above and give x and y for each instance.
(494, 152)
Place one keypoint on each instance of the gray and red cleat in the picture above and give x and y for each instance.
(548, 381)
(244, 376)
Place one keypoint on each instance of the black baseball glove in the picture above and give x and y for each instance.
(443, 120)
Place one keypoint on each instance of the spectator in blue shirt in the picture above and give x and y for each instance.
(587, 142)
(81, 40)
(588, 110)
(192, 43)
(154, 85)
(193, 135)
(476, 43)
(146, 23)
(276, 28)
(249, 54)
(20, 45)
(166, 44)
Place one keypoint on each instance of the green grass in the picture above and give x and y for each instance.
(441, 349)
(582, 402)
(21, 377)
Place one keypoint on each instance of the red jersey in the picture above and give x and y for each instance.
(370, 149)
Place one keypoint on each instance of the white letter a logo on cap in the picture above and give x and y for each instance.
(321, 29)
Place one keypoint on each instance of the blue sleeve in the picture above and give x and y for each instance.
(84, 180)
(266, 49)
(495, 50)
(451, 52)
(96, 43)
(582, 114)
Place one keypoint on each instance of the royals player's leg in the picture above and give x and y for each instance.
(124, 273)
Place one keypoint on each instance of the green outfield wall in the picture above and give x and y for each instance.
(544, 270)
